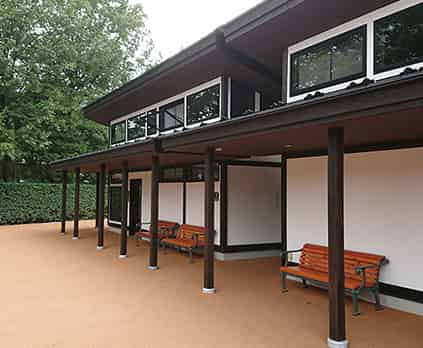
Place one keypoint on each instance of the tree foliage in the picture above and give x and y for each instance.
(55, 57)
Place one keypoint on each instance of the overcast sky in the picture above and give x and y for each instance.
(175, 24)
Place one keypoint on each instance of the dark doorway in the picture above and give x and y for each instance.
(135, 205)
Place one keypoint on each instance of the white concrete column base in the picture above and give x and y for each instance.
(62, 234)
(100, 247)
(209, 291)
(337, 344)
(123, 256)
(75, 238)
(153, 268)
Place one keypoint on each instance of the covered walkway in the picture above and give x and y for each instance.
(60, 293)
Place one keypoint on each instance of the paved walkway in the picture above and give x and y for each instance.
(56, 292)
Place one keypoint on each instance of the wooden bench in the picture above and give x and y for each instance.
(166, 229)
(189, 237)
(361, 271)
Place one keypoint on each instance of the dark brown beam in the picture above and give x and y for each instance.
(76, 206)
(285, 57)
(249, 62)
(223, 206)
(284, 206)
(101, 200)
(225, 97)
(208, 287)
(154, 244)
(97, 185)
(64, 200)
(337, 335)
(124, 212)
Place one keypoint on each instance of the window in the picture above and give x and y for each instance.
(151, 122)
(115, 204)
(136, 127)
(172, 175)
(399, 39)
(204, 105)
(172, 115)
(334, 61)
(118, 133)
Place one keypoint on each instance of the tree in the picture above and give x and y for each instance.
(55, 57)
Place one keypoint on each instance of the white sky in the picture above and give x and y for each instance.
(177, 24)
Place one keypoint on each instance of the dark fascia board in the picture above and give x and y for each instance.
(245, 22)
(149, 145)
(389, 95)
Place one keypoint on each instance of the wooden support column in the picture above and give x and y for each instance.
(76, 206)
(100, 207)
(208, 287)
(124, 212)
(64, 200)
(284, 206)
(337, 335)
(97, 186)
(154, 215)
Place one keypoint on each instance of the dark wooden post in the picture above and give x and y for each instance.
(337, 336)
(209, 220)
(124, 212)
(97, 193)
(154, 216)
(100, 207)
(76, 207)
(64, 200)
(284, 206)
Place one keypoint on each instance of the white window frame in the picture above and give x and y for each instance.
(157, 106)
(368, 20)
(126, 134)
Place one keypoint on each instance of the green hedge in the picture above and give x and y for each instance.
(28, 202)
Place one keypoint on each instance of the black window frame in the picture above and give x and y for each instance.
(330, 42)
(217, 85)
(152, 114)
(116, 196)
(124, 136)
(398, 65)
(142, 116)
(180, 101)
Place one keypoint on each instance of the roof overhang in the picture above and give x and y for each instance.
(387, 114)
(253, 33)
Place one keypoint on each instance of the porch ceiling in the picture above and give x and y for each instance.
(387, 114)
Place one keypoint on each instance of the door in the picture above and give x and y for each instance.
(135, 208)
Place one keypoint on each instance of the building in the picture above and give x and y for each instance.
(280, 121)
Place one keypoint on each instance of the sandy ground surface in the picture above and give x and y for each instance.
(56, 292)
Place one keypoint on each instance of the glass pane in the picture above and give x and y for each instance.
(152, 122)
(347, 57)
(313, 68)
(399, 39)
(203, 105)
(136, 127)
(334, 61)
(170, 114)
(115, 204)
(118, 133)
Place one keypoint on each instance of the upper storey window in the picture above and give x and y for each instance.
(118, 133)
(399, 39)
(136, 127)
(204, 105)
(172, 115)
(333, 61)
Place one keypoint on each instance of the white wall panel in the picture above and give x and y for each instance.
(383, 208)
(253, 205)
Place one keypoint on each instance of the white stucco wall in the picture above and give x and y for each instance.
(383, 208)
(195, 207)
(253, 205)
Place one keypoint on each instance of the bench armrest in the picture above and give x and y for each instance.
(361, 270)
(195, 237)
(285, 254)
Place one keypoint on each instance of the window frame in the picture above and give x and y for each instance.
(217, 85)
(398, 65)
(142, 115)
(177, 102)
(294, 92)
(125, 133)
